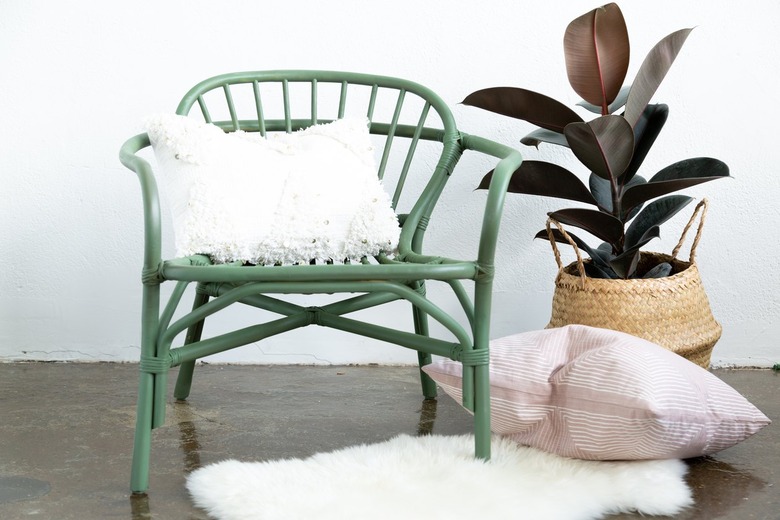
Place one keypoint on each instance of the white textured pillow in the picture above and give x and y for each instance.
(597, 394)
(310, 195)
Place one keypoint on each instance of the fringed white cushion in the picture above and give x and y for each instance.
(291, 198)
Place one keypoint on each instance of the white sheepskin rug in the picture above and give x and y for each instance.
(437, 477)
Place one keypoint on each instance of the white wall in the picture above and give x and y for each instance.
(77, 77)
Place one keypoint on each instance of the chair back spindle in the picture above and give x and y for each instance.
(396, 110)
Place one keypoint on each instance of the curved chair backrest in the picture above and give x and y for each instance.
(418, 127)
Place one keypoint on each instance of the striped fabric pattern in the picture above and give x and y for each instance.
(598, 394)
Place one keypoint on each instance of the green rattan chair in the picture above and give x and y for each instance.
(304, 98)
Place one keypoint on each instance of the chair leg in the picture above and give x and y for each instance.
(482, 434)
(428, 385)
(421, 327)
(142, 443)
(184, 380)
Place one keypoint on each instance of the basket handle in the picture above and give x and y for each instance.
(580, 264)
(701, 207)
(701, 211)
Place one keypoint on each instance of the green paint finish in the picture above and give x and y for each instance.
(407, 116)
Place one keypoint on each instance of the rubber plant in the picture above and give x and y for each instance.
(628, 209)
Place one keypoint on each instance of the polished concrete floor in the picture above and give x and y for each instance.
(66, 435)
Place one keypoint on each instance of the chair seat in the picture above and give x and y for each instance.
(201, 269)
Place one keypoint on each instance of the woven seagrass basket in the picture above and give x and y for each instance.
(673, 311)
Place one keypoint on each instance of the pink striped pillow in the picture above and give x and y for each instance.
(598, 394)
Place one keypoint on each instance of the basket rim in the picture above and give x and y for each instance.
(686, 269)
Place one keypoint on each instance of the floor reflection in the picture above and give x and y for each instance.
(139, 507)
(188, 435)
(427, 417)
(719, 487)
(190, 448)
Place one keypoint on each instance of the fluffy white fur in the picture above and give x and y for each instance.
(437, 477)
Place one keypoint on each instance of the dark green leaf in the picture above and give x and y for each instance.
(620, 102)
(605, 248)
(629, 213)
(675, 177)
(545, 179)
(598, 271)
(602, 191)
(598, 256)
(597, 53)
(625, 263)
(599, 224)
(542, 135)
(527, 105)
(662, 270)
(652, 72)
(605, 145)
(698, 167)
(654, 214)
(646, 131)
(601, 256)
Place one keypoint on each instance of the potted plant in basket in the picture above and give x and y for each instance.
(627, 209)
